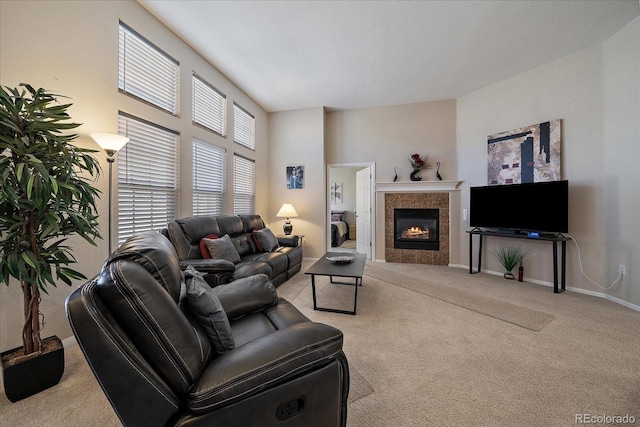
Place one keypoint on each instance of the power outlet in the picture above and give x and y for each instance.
(621, 269)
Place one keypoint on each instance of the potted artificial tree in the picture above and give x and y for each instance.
(509, 257)
(45, 196)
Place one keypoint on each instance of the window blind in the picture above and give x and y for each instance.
(209, 106)
(208, 178)
(244, 127)
(244, 182)
(147, 177)
(146, 72)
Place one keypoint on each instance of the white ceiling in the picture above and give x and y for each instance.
(290, 55)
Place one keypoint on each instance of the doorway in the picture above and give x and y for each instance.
(350, 210)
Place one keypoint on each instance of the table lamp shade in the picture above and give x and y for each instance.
(287, 211)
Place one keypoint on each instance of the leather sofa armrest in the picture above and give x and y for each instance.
(246, 295)
(288, 241)
(273, 359)
(209, 265)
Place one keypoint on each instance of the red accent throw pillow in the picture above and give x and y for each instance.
(203, 248)
(255, 239)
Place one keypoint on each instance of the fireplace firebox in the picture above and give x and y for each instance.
(416, 229)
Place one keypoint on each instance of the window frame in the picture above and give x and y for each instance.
(238, 124)
(195, 173)
(223, 101)
(131, 178)
(122, 71)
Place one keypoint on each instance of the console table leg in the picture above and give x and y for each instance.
(470, 253)
(480, 255)
(564, 265)
(555, 267)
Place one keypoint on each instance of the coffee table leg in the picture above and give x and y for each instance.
(355, 297)
(313, 286)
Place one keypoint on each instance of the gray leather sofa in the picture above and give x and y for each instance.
(158, 365)
(186, 235)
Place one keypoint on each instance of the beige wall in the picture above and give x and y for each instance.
(596, 93)
(387, 136)
(297, 138)
(71, 48)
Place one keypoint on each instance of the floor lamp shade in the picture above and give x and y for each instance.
(110, 143)
(287, 211)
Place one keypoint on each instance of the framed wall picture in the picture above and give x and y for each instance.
(336, 192)
(295, 177)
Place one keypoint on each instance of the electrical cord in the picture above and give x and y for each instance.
(585, 274)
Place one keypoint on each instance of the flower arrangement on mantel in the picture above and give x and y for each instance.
(417, 164)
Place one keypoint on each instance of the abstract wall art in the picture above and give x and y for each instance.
(528, 154)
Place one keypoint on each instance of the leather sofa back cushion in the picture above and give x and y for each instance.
(141, 288)
(157, 255)
(265, 239)
(222, 248)
(229, 224)
(208, 311)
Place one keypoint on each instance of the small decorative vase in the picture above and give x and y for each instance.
(414, 177)
(509, 275)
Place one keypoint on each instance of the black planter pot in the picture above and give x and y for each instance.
(33, 375)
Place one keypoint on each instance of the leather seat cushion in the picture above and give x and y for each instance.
(279, 262)
(263, 363)
(293, 253)
(246, 268)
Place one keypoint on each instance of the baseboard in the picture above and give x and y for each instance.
(569, 288)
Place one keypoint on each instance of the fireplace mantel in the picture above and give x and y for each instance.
(417, 186)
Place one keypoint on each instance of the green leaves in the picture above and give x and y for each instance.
(510, 256)
(46, 191)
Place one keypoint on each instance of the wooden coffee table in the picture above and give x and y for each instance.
(324, 267)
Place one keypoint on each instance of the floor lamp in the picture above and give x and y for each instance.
(110, 143)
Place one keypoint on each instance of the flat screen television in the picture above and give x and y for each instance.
(533, 207)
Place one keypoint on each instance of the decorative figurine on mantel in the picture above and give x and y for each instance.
(438, 176)
(395, 176)
(417, 164)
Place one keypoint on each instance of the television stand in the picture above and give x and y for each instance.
(558, 283)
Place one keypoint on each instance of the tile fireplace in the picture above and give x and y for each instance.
(433, 250)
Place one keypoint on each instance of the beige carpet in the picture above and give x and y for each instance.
(417, 360)
(434, 284)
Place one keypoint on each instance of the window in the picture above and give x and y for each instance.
(146, 72)
(209, 106)
(244, 184)
(244, 127)
(208, 178)
(147, 174)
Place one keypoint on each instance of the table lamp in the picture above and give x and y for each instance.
(287, 211)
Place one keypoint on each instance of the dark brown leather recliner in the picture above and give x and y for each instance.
(157, 366)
